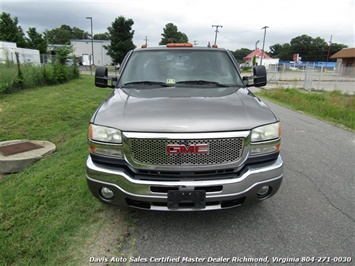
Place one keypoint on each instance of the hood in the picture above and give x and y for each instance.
(183, 109)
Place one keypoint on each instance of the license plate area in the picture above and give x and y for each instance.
(178, 199)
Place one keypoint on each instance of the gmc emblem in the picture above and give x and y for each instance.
(182, 149)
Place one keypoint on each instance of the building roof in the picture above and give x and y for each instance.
(258, 53)
(345, 53)
(89, 41)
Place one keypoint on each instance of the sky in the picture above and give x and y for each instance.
(242, 20)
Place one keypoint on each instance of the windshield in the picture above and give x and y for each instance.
(180, 68)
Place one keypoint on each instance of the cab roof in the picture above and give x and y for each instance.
(179, 46)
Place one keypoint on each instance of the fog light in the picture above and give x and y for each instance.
(263, 192)
(107, 193)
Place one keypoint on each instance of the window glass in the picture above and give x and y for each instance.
(171, 66)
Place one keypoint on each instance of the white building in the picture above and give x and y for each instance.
(8, 52)
(83, 49)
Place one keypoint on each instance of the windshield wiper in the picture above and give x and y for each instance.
(202, 82)
(147, 82)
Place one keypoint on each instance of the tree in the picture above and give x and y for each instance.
(58, 36)
(63, 53)
(283, 52)
(10, 32)
(311, 49)
(79, 34)
(241, 53)
(64, 34)
(121, 35)
(275, 50)
(254, 60)
(36, 41)
(172, 35)
(102, 36)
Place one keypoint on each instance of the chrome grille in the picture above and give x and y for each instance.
(153, 152)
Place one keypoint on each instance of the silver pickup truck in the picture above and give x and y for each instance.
(181, 132)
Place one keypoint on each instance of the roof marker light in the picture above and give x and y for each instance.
(179, 45)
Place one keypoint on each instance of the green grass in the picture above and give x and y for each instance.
(331, 106)
(46, 209)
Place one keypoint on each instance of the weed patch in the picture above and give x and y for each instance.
(15, 77)
(334, 106)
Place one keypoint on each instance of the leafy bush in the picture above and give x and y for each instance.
(15, 77)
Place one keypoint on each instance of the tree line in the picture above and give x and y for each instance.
(310, 49)
(120, 34)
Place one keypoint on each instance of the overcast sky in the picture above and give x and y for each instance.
(242, 20)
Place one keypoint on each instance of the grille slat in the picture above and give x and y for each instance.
(153, 152)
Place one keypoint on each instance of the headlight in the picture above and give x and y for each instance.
(105, 134)
(265, 139)
(268, 132)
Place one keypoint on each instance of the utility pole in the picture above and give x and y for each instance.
(330, 44)
(256, 45)
(92, 45)
(262, 55)
(215, 38)
(146, 41)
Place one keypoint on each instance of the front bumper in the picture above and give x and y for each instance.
(232, 191)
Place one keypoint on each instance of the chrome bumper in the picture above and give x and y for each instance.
(225, 193)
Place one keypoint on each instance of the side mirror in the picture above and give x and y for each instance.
(102, 78)
(259, 77)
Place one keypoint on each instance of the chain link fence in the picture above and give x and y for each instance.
(312, 78)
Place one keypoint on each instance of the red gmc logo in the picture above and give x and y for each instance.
(182, 149)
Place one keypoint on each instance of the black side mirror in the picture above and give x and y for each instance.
(259, 77)
(102, 78)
